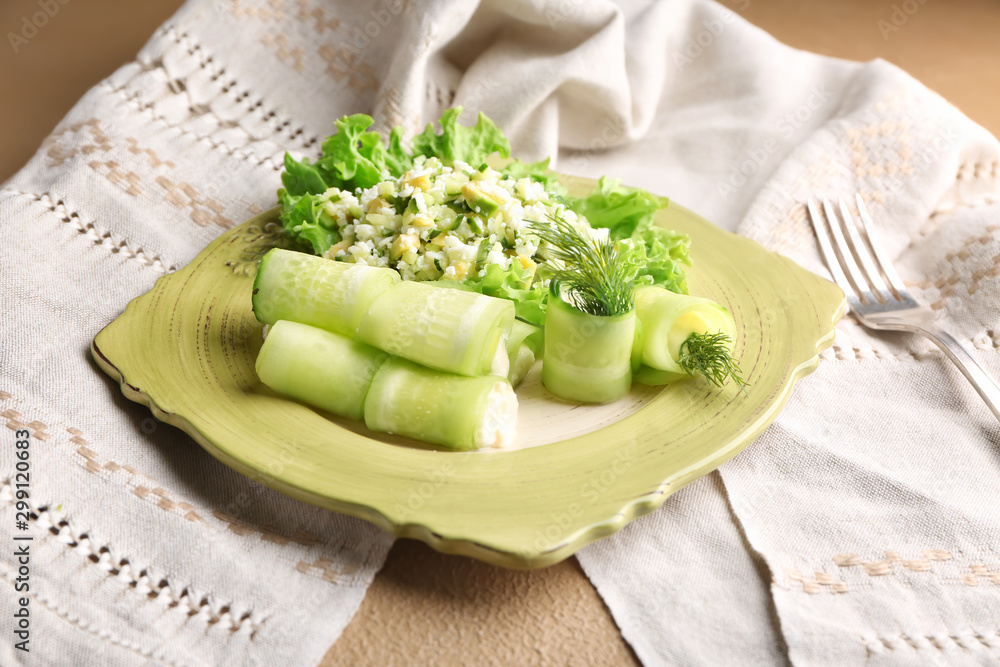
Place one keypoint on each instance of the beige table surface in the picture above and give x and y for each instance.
(426, 608)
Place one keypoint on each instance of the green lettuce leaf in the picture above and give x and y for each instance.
(397, 159)
(660, 256)
(352, 157)
(302, 177)
(622, 210)
(458, 142)
(303, 217)
(515, 284)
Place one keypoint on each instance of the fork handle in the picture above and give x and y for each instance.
(976, 374)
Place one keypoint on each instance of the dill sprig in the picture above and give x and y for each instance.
(597, 279)
(708, 354)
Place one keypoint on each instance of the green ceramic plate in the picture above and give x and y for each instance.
(187, 349)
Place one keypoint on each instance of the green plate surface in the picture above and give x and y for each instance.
(187, 349)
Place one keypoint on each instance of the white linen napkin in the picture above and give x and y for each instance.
(869, 511)
(862, 525)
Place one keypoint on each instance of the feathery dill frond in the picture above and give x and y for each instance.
(596, 277)
(708, 354)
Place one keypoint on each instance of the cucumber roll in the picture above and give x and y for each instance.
(669, 319)
(320, 292)
(684, 335)
(318, 368)
(456, 412)
(588, 358)
(590, 320)
(443, 328)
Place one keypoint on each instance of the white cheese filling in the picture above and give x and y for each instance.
(501, 360)
(498, 427)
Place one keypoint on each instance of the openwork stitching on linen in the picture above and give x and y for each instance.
(839, 353)
(92, 464)
(227, 83)
(977, 170)
(100, 634)
(321, 566)
(194, 603)
(138, 105)
(94, 232)
(985, 339)
(969, 640)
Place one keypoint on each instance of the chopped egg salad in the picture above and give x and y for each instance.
(444, 222)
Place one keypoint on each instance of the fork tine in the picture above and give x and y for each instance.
(878, 288)
(847, 263)
(823, 237)
(881, 257)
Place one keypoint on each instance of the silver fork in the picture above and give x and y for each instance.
(876, 294)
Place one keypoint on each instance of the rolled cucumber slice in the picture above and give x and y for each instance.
(456, 412)
(313, 290)
(319, 368)
(636, 358)
(523, 333)
(668, 319)
(588, 358)
(524, 347)
(443, 328)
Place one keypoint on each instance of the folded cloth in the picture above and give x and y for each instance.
(869, 510)
(862, 525)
